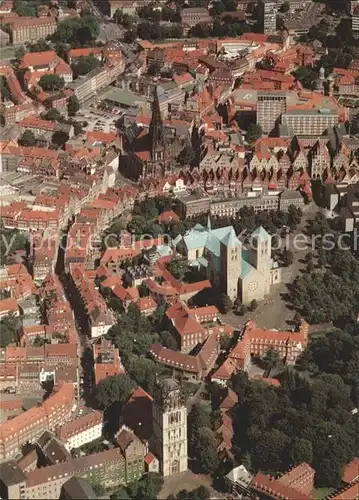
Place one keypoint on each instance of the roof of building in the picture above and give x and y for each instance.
(137, 413)
(351, 471)
(275, 489)
(78, 425)
(77, 487)
(11, 473)
(64, 469)
(38, 59)
(348, 493)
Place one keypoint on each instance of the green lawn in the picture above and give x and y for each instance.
(321, 493)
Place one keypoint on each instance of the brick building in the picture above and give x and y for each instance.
(30, 29)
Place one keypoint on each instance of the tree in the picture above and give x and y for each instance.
(204, 450)
(239, 382)
(27, 139)
(130, 36)
(39, 341)
(23, 9)
(307, 76)
(270, 450)
(254, 305)
(271, 358)
(51, 82)
(310, 267)
(154, 68)
(168, 340)
(198, 417)
(53, 115)
(19, 53)
(40, 46)
(84, 65)
(73, 105)
(115, 389)
(77, 32)
(224, 303)
(60, 138)
(287, 257)
(254, 132)
(98, 487)
(301, 451)
(9, 330)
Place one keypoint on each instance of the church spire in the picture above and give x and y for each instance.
(209, 228)
(156, 126)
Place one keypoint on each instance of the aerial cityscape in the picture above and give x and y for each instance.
(179, 249)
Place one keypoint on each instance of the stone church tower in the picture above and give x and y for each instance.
(156, 131)
(231, 257)
(170, 427)
(260, 255)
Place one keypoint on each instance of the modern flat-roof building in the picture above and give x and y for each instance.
(268, 16)
(310, 121)
(270, 106)
(355, 18)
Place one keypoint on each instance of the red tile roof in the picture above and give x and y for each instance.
(274, 489)
(349, 493)
(149, 458)
(78, 425)
(35, 59)
(351, 471)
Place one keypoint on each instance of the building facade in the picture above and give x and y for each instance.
(170, 427)
(270, 106)
(268, 16)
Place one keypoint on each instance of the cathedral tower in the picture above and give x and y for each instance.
(231, 259)
(260, 250)
(156, 132)
(170, 427)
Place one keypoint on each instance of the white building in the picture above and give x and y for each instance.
(170, 427)
(81, 430)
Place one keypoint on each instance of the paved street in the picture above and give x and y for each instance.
(187, 481)
(273, 311)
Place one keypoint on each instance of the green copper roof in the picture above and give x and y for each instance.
(260, 233)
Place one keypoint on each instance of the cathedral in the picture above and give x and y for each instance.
(153, 153)
(246, 273)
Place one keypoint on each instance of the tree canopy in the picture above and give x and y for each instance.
(84, 65)
(115, 389)
(330, 292)
(79, 32)
(254, 132)
(51, 82)
(27, 138)
(9, 330)
(73, 105)
(306, 419)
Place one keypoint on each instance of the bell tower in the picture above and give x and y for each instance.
(156, 132)
(170, 427)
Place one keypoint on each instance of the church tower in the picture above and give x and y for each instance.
(156, 132)
(260, 250)
(170, 427)
(231, 259)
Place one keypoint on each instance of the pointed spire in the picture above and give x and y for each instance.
(209, 223)
(156, 126)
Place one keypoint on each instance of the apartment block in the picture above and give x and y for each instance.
(270, 106)
(310, 121)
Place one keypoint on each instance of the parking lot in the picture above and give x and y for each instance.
(98, 120)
